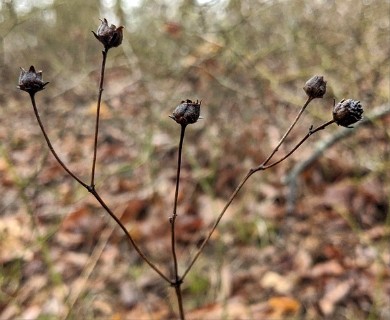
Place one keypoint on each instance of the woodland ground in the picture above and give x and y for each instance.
(323, 256)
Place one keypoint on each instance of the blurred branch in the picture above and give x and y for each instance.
(322, 146)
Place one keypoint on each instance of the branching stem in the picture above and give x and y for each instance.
(288, 131)
(95, 194)
(311, 132)
(261, 167)
(177, 280)
(129, 237)
(180, 300)
(205, 241)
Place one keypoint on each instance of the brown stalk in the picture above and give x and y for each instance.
(251, 171)
(62, 164)
(177, 282)
(104, 52)
(92, 190)
(129, 237)
(309, 99)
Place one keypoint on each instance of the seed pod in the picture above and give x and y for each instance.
(109, 36)
(31, 81)
(347, 112)
(315, 87)
(187, 112)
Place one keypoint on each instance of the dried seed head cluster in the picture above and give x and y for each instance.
(109, 36)
(31, 81)
(347, 112)
(315, 87)
(187, 112)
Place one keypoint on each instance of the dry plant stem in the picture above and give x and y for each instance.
(261, 167)
(172, 219)
(94, 193)
(92, 189)
(129, 237)
(180, 301)
(177, 282)
(104, 52)
(32, 96)
(288, 130)
(205, 241)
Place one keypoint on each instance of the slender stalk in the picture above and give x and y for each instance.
(311, 131)
(263, 166)
(129, 237)
(104, 52)
(177, 281)
(197, 254)
(180, 300)
(94, 193)
(32, 96)
(309, 99)
(174, 215)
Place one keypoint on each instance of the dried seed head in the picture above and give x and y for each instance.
(109, 36)
(31, 81)
(347, 112)
(187, 112)
(315, 87)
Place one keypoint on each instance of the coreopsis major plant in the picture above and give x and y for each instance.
(345, 113)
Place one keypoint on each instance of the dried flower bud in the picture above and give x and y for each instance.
(315, 87)
(31, 81)
(187, 112)
(347, 112)
(109, 36)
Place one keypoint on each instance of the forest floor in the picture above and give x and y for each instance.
(61, 256)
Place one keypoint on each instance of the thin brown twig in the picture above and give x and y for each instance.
(177, 282)
(311, 131)
(104, 52)
(129, 237)
(263, 166)
(180, 301)
(321, 147)
(205, 241)
(62, 164)
(94, 193)
(309, 99)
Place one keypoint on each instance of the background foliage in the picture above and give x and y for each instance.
(247, 61)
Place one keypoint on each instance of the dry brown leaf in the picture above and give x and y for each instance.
(76, 219)
(173, 29)
(339, 195)
(13, 233)
(277, 282)
(134, 210)
(116, 316)
(302, 261)
(283, 306)
(329, 268)
(334, 294)
(234, 308)
(188, 227)
(102, 307)
(69, 239)
(105, 112)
